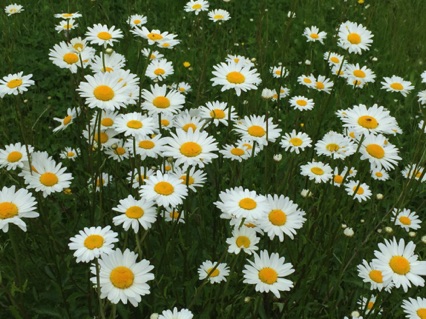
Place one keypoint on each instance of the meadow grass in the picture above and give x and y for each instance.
(39, 276)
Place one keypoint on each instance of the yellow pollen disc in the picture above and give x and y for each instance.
(359, 73)
(135, 124)
(360, 190)
(137, 21)
(338, 179)
(307, 80)
(93, 241)
(417, 174)
(256, 130)
(174, 214)
(134, 212)
(67, 120)
(379, 174)
(243, 241)
(154, 36)
(121, 277)
(14, 83)
(147, 144)
(268, 275)
(167, 168)
(319, 85)
(8, 210)
(106, 121)
(67, 26)
(107, 69)
(161, 102)
(217, 114)
(295, 141)
(334, 59)
(49, 179)
(314, 35)
(247, 203)
(405, 220)
(218, 17)
(100, 182)
(375, 150)
(196, 6)
(103, 35)
(248, 146)
(277, 217)
(237, 151)
(370, 305)
(78, 46)
(67, 15)
(14, 156)
(120, 151)
(159, 71)
(214, 273)
(317, 170)
(70, 58)
(278, 72)
(332, 147)
(164, 188)
(352, 134)
(235, 77)
(103, 138)
(376, 276)
(186, 127)
(368, 122)
(165, 122)
(70, 154)
(421, 312)
(354, 38)
(400, 265)
(250, 225)
(190, 181)
(190, 149)
(301, 102)
(103, 93)
(397, 86)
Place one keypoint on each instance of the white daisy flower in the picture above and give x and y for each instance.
(174, 215)
(379, 152)
(13, 9)
(414, 171)
(358, 76)
(213, 272)
(254, 128)
(359, 191)
(14, 156)
(406, 219)
(301, 103)
(219, 15)
(235, 152)
(64, 56)
(68, 15)
(243, 239)
(159, 69)
(102, 35)
(414, 308)
(134, 124)
(107, 62)
(67, 120)
(153, 36)
(354, 37)
(193, 179)
(70, 153)
(379, 174)
(313, 34)
(186, 121)
(335, 145)
(66, 25)
(196, 6)
(295, 141)
(137, 20)
(160, 101)
(319, 172)
(176, 314)
(279, 71)
(15, 84)
(218, 112)
(369, 273)
(396, 84)
(321, 83)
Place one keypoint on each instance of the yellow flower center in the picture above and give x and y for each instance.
(317, 170)
(256, 130)
(159, 71)
(397, 86)
(354, 38)
(307, 80)
(405, 220)
(49, 179)
(368, 122)
(174, 214)
(70, 58)
(400, 265)
(134, 124)
(106, 121)
(93, 241)
(103, 138)
(379, 174)
(190, 149)
(338, 179)
(164, 188)
(359, 73)
(135, 212)
(243, 241)
(161, 102)
(235, 77)
(8, 210)
(277, 72)
(376, 276)
(214, 273)
(70, 154)
(375, 150)
(137, 21)
(103, 93)
(154, 36)
(334, 59)
(332, 147)
(295, 141)
(67, 15)
(120, 151)
(197, 6)
(237, 151)
(217, 114)
(421, 312)
(268, 275)
(67, 120)
(301, 102)
(14, 156)
(108, 69)
(78, 47)
(103, 35)
(370, 305)
(186, 127)
(146, 144)
(314, 35)
(191, 180)
(165, 122)
(319, 85)
(247, 203)
(360, 190)
(218, 17)
(277, 217)
(14, 83)
(121, 277)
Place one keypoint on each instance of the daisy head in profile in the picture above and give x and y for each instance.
(396, 84)
(12, 9)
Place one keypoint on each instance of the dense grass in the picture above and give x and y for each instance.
(39, 277)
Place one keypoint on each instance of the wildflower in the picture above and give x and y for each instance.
(186, 121)
(219, 15)
(153, 36)
(321, 83)
(136, 20)
(196, 6)
(359, 191)
(243, 238)
(101, 181)
(279, 71)
(379, 152)
(295, 141)
(13, 9)
(67, 120)
(102, 35)
(159, 69)
(174, 215)
(15, 84)
(348, 232)
(312, 34)
(235, 152)
(358, 76)
(214, 272)
(159, 101)
(70, 153)
(334, 59)
(317, 171)
(301, 103)
(176, 314)
(65, 57)
(217, 112)
(66, 25)
(66, 15)
(354, 37)
(406, 218)
(182, 87)
(414, 308)
(108, 62)
(255, 129)
(13, 156)
(369, 273)
(134, 124)
(193, 179)
(397, 84)
(379, 174)
(335, 145)
(414, 171)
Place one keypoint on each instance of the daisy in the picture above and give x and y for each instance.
(218, 112)
(358, 76)
(121, 278)
(65, 57)
(102, 35)
(70, 153)
(185, 121)
(165, 189)
(153, 36)
(369, 273)
(138, 176)
(379, 174)
(397, 84)
(13, 156)
(414, 171)
(235, 152)
(398, 262)
(295, 141)
(104, 91)
(279, 71)
(13, 9)
(256, 129)
(176, 314)
(192, 148)
(107, 119)
(307, 80)
(335, 145)
(147, 146)
(136, 20)
(301, 103)
(344, 175)
(237, 76)
(414, 308)
(159, 101)
(407, 219)
(354, 37)
(101, 181)
(66, 25)
(196, 6)
(134, 124)
(213, 272)
(152, 54)
(422, 97)
(242, 203)
(117, 152)
(182, 87)
(379, 152)
(74, 15)
(93, 242)
(319, 172)
(231, 58)
(312, 34)
(102, 139)
(219, 15)
(193, 178)
(15, 205)
(15, 84)
(107, 62)
(267, 272)
(159, 69)
(243, 238)
(323, 84)
(422, 126)
(174, 215)
(134, 212)
(168, 42)
(67, 120)
(368, 305)
(359, 191)
(334, 59)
